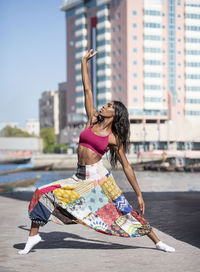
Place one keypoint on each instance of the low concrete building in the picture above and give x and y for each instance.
(33, 127)
(176, 135)
(22, 144)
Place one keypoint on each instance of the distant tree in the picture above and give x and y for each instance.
(60, 148)
(9, 131)
(49, 139)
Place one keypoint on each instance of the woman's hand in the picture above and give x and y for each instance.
(89, 55)
(141, 204)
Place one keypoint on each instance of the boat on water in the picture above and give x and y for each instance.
(15, 161)
(27, 167)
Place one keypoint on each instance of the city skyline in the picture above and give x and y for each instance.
(33, 59)
(33, 55)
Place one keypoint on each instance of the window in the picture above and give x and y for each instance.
(103, 54)
(152, 49)
(192, 52)
(152, 37)
(134, 12)
(193, 28)
(192, 16)
(192, 112)
(134, 87)
(152, 87)
(135, 75)
(134, 62)
(134, 50)
(193, 64)
(152, 25)
(152, 99)
(193, 76)
(152, 62)
(119, 27)
(119, 76)
(119, 51)
(102, 19)
(134, 25)
(152, 74)
(152, 12)
(118, 15)
(134, 38)
(193, 88)
(103, 30)
(192, 101)
(119, 39)
(103, 42)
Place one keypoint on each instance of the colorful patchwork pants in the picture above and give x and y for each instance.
(90, 197)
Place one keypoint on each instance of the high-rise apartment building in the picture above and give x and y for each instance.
(49, 110)
(62, 91)
(148, 56)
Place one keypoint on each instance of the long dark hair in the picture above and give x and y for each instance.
(121, 129)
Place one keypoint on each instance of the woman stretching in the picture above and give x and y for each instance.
(91, 196)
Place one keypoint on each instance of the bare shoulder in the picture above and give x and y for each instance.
(119, 150)
(112, 140)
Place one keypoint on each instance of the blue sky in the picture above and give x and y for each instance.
(32, 55)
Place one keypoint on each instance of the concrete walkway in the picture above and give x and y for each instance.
(76, 248)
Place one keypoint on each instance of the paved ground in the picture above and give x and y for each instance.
(174, 216)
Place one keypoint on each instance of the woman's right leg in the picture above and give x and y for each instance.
(33, 239)
(34, 229)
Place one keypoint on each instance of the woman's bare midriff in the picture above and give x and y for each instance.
(86, 156)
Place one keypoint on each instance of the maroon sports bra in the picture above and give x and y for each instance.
(93, 141)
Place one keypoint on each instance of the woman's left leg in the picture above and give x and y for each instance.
(159, 244)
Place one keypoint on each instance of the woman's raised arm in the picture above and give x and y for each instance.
(89, 104)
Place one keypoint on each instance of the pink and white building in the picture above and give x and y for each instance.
(148, 57)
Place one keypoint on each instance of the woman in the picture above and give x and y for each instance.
(91, 196)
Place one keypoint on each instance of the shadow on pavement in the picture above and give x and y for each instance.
(70, 240)
(174, 213)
